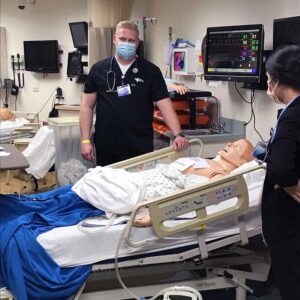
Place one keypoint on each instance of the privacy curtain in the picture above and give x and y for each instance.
(3, 54)
(104, 16)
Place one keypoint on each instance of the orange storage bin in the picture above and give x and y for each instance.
(184, 118)
(160, 128)
(202, 120)
(180, 104)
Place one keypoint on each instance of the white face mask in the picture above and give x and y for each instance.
(271, 94)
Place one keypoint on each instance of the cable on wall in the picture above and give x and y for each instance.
(252, 116)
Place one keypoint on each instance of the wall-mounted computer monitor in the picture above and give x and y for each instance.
(41, 56)
(234, 53)
(75, 66)
(79, 31)
(286, 31)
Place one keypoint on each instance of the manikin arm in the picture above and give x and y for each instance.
(179, 88)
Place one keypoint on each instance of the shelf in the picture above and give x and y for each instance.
(190, 94)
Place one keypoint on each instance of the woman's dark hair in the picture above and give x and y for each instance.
(284, 65)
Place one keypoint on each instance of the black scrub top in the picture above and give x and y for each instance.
(124, 124)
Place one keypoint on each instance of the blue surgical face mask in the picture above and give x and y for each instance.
(126, 50)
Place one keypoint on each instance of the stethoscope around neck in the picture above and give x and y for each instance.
(112, 74)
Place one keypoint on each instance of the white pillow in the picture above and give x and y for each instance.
(114, 191)
(254, 177)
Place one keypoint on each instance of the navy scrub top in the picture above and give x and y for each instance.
(124, 124)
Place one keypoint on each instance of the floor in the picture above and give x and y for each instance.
(271, 294)
(11, 185)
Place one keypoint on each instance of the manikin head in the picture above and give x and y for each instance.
(126, 40)
(6, 115)
(237, 152)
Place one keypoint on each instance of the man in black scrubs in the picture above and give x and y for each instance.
(124, 88)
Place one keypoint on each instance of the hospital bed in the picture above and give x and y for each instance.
(7, 129)
(194, 239)
(12, 129)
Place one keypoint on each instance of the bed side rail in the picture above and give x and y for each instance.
(165, 155)
(196, 198)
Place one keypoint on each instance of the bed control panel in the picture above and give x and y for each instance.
(172, 210)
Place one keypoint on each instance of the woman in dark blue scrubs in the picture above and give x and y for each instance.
(281, 195)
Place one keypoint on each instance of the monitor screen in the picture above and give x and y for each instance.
(79, 31)
(179, 60)
(234, 53)
(41, 56)
(75, 67)
(286, 31)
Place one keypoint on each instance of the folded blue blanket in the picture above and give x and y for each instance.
(25, 267)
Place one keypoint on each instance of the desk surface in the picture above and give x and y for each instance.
(68, 107)
(15, 160)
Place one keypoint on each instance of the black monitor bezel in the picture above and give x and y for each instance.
(234, 76)
(82, 49)
(29, 67)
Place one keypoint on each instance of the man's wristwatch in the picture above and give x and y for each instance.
(179, 134)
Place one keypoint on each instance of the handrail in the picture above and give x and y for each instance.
(158, 207)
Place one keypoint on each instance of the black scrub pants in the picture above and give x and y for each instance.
(285, 259)
(104, 159)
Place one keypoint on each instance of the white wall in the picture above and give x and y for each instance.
(46, 20)
(190, 18)
(139, 8)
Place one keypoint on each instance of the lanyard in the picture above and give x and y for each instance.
(275, 127)
(122, 79)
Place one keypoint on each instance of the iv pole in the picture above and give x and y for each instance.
(170, 40)
(145, 20)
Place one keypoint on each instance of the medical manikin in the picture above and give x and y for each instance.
(6, 115)
(229, 158)
(117, 191)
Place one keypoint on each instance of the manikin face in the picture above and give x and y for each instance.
(237, 152)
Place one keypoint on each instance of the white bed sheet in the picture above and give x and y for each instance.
(6, 127)
(69, 246)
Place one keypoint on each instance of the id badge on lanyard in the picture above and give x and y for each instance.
(124, 90)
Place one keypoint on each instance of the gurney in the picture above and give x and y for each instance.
(225, 212)
(7, 129)
(21, 127)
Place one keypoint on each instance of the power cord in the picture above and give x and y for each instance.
(251, 99)
(176, 289)
(254, 120)
(252, 116)
(50, 97)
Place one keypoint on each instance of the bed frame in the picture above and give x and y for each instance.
(203, 266)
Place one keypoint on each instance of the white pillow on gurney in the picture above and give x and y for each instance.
(114, 191)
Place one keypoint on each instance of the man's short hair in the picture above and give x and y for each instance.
(128, 25)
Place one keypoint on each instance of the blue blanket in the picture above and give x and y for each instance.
(25, 267)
